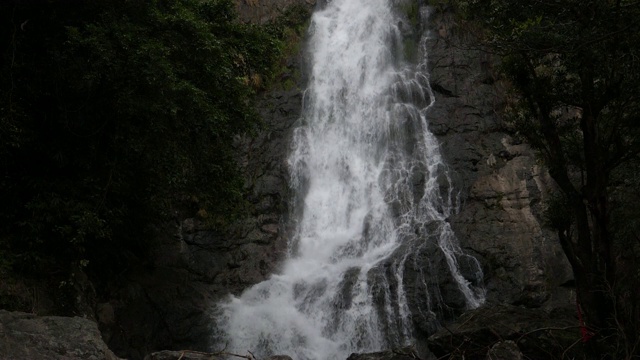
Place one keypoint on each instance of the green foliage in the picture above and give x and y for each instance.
(412, 11)
(294, 19)
(110, 109)
(411, 51)
(290, 29)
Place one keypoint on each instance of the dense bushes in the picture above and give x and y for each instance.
(109, 110)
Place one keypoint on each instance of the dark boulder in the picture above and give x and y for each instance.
(504, 350)
(28, 336)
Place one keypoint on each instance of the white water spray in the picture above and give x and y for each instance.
(374, 193)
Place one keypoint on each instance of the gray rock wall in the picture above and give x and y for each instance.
(502, 186)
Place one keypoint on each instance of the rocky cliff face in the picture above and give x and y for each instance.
(503, 190)
(502, 186)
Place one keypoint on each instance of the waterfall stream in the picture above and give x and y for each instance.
(373, 196)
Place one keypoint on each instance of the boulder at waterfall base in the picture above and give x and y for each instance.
(27, 336)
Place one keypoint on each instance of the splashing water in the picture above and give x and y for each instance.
(374, 192)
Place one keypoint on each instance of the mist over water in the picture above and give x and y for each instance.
(371, 187)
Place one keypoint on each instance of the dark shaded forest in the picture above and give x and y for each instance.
(111, 112)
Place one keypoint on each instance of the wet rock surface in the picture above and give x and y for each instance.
(27, 336)
(502, 188)
(501, 193)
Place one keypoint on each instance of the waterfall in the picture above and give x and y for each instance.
(373, 197)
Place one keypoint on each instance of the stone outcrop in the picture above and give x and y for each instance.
(530, 309)
(502, 186)
(261, 11)
(504, 350)
(27, 336)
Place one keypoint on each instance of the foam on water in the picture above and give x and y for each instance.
(370, 177)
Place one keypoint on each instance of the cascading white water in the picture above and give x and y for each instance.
(372, 183)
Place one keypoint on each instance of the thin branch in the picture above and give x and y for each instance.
(569, 348)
